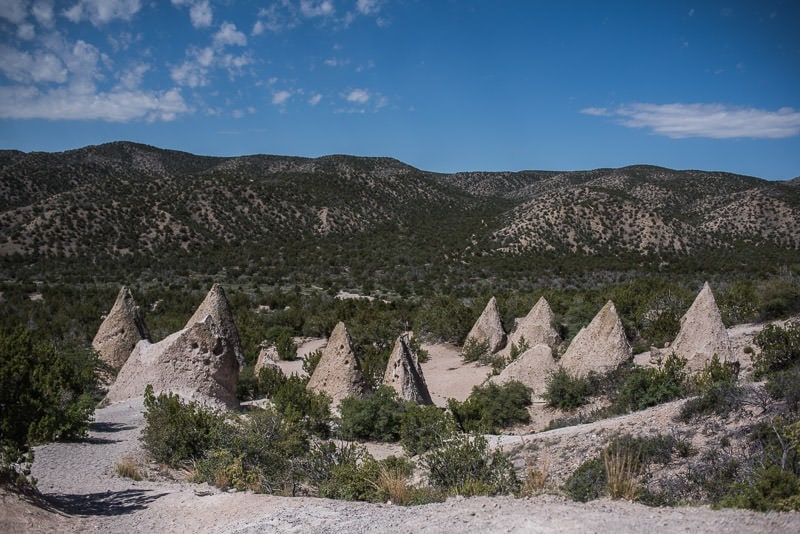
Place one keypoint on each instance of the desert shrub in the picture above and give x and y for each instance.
(770, 488)
(374, 418)
(281, 337)
(475, 351)
(247, 386)
(126, 468)
(647, 386)
(45, 394)
(785, 385)
(778, 298)
(491, 407)
(717, 392)
(566, 392)
(588, 482)
(518, 348)
(443, 317)
(780, 348)
(177, 432)
(310, 361)
(344, 471)
(465, 466)
(424, 427)
(300, 405)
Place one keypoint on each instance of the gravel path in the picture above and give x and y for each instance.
(79, 479)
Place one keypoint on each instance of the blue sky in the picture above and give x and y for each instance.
(442, 85)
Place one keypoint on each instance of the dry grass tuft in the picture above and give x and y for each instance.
(127, 468)
(622, 470)
(393, 482)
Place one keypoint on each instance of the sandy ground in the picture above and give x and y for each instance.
(86, 495)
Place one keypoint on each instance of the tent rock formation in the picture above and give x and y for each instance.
(536, 327)
(489, 328)
(217, 306)
(702, 333)
(404, 373)
(338, 373)
(600, 347)
(120, 331)
(532, 368)
(197, 363)
(267, 358)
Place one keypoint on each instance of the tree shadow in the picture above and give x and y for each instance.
(107, 503)
(106, 427)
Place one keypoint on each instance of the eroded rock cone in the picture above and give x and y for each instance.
(267, 358)
(217, 306)
(489, 328)
(600, 347)
(198, 363)
(536, 327)
(404, 373)
(702, 333)
(120, 331)
(532, 368)
(338, 373)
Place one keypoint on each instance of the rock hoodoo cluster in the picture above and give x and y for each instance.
(489, 328)
(702, 334)
(404, 373)
(199, 363)
(338, 373)
(600, 347)
(120, 331)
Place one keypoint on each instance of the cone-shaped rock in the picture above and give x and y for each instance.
(600, 347)
(532, 368)
(267, 358)
(217, 306)
(702, 333)
(489, 328)
(338, 373)
(121, 330)
(198, 363)
(536, 327)
(404, 373)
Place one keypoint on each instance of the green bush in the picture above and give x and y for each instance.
(345, 471)
(465, 466)
(177, 432)
(310, 362)
(785, 385)
(45, 394)
(375, 418)
(717, 391)
(647, 386)
(300, 405)
(475, 351)
(770, 488)
(566, 392)
(588, 482)
(424, 427)
(281, 337)
(780, 348)
(491, 407)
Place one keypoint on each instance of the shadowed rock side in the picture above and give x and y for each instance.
(404, 373)
(536, 327)
(702, 333)
(599, 347)
(267, 358)
(198, 363)
(489, 328)
(532, 368)
(120, 331)
(338, 373)
(217, 306)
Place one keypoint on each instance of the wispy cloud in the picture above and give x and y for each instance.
(715, 121)
(100, 12)
(280, 98)
(314, 100)
(229, 35)
(316, 8)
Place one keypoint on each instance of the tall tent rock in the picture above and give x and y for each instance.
(536, 327)
(489, 328)
(600, 347)
(120, 331)
(217, 306)
(404, 373)
(338, 373)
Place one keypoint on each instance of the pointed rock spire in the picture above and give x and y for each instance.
(599, 347)
(197, 363)
(404, 373)
(217, 306)
(489, 328)
(532, 368)
(702, 333)
(338, 373)
(536, 327)
(267, 358)
(120, 331)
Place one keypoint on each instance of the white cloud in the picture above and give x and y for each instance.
(368, 7)
(358, 96)
(64, 104)
(316, 8)
(715, 121)
(279, 16)
(14, 11)
(201, 14)
(131, 78)
(314, 100)
(258, 28)
(281, 97)
(229, 35)
(190, 74)
(26, 32)
(102, 11)
(26, 67)
(43, 13)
